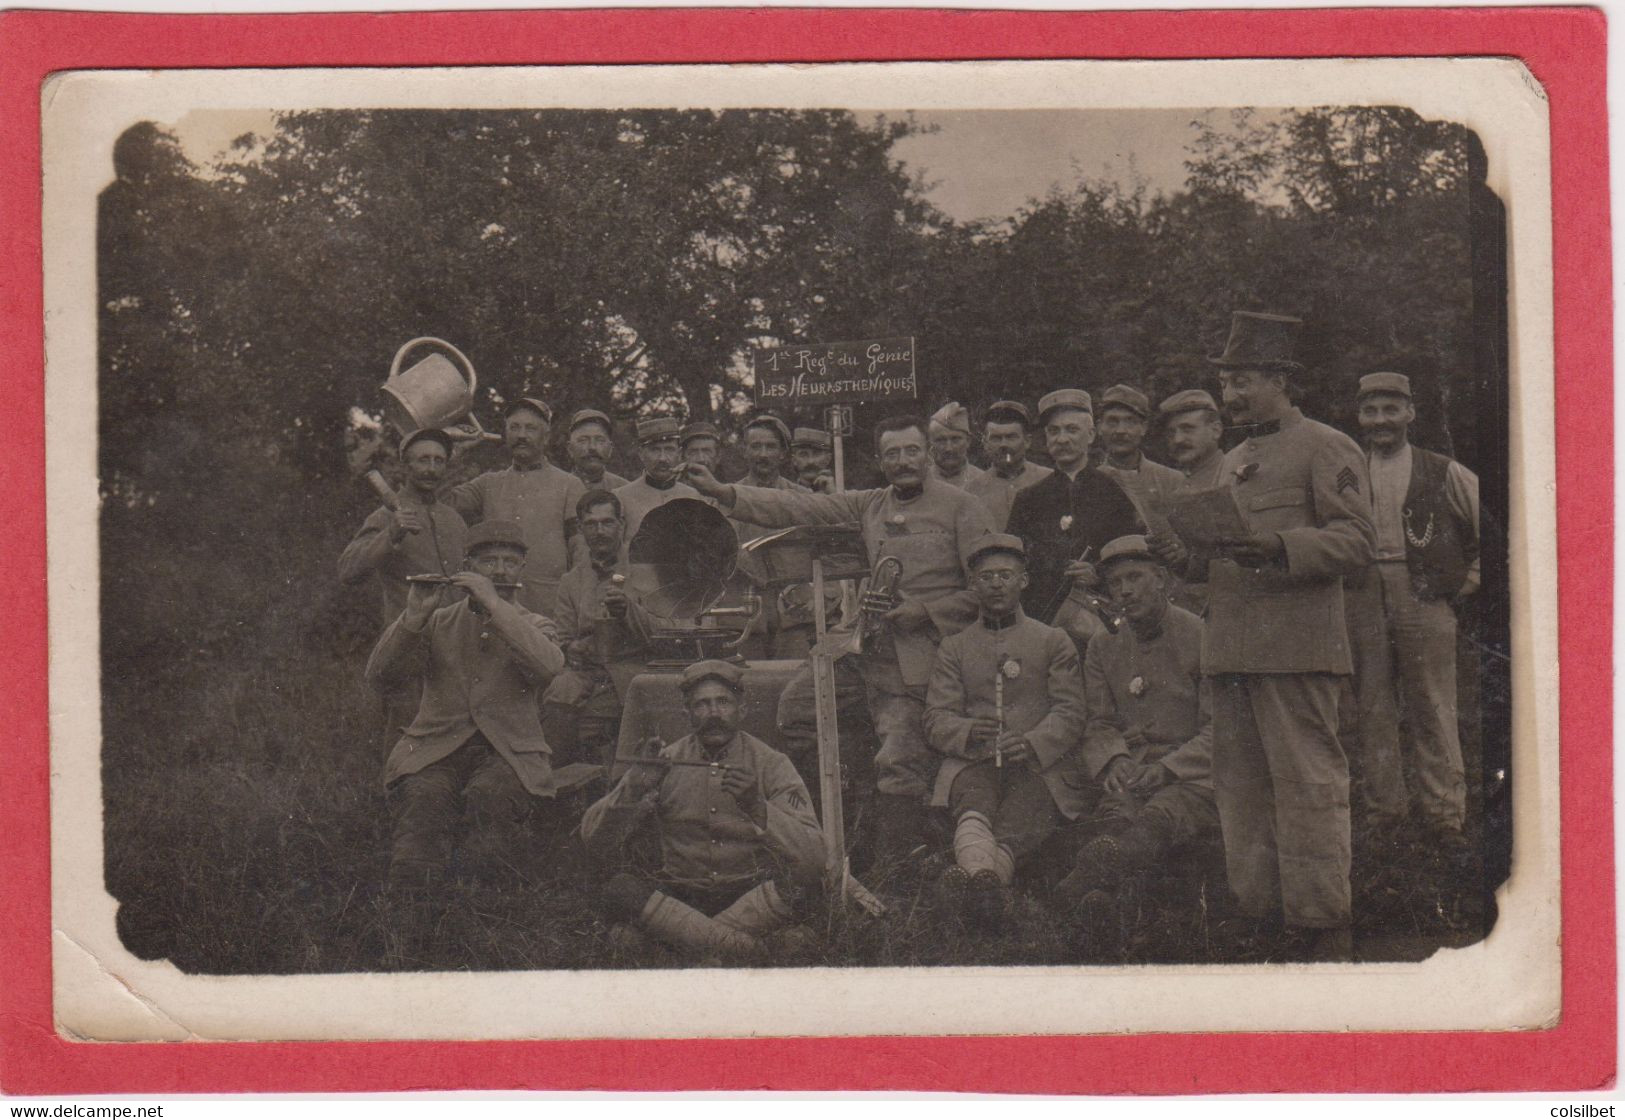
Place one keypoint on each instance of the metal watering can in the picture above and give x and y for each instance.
(434, 392)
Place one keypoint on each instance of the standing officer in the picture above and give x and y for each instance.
(590, 445)
(661, 454)
(950, 445)
(1124, 415)
(533, 492)
(812, 458)
(420, 536)
(1075, 510)
(1426, 510)
(1275, 644)
(1192, 427)
(928, 526)
(1007, 435)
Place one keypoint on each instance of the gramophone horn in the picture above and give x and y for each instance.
(681, 558)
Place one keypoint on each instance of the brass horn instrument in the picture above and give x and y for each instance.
(879, 595)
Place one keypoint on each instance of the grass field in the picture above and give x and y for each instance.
(246, 829)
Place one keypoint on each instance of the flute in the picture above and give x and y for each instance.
(631, 760)
(446, 580)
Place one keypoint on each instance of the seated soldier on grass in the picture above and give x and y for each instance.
(741, 852)
(1149, 741)
(1005, 710)
(476, 745)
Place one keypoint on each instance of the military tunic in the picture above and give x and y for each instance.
(638, 497)
(1190, 590)
(1057, 518)
(610, 481)
(997, 493)
(929, 533)
(1044, 701)
(968, 474)
(1148, 702)
(436, 550)
(1150, 486)
(543, 501)
(707, 842)
(1275, 644)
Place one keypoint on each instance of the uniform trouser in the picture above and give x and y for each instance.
(1382, 780)
(757, 910)
(1281, 781)
(904, 765)
(1013, 798)
(1179, 813)
(1407, 672)
(428, 807)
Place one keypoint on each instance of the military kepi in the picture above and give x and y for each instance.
(726, 672)
(535, 404)
(498, 530)
(590, 416)
(1009, 412)
(1395, 383)
(434, 434)
(1133, 547)
(1126, 396)
(1188, 400)
(989, 543)
(700, 429)
(654, 428)
(1261, 341)
(812, 437)
(1064, 398)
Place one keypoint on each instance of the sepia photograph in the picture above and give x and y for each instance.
(706, 530)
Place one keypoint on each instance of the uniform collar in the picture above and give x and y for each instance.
(1270, 427)
(1005, 621)
(653, 485)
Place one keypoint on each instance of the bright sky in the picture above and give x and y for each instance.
(979, 163)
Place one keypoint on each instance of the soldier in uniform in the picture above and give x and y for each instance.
(1149, 741)
(606, 633)
(1192, 428)
(420, 536)
(533, 492)
(661, 454)
(812, 458)
(928, 526)
(1425, 507)
(950, 445)
(766, 440)
(476, 744)
(1275, 644)
(591, 444)
(700, 442)
(1068, 517)
(1125, 414)
(1006, 712)
(742, 855)
(1007, 436)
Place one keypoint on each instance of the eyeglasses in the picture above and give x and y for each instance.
(996, 577)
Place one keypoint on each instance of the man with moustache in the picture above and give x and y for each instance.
(700, 442)
(420, 536)
(1005, 712)
(766, 441)
(1192, 427)
(539, 496)
(1149, 741)
(1124, 415)
(1425, 506)
(1007, 437)
(950, 445)
(928, 526)
(1275, 646)
(812, 459)
(660, 451)
(476, 746)
(742, 855)
(605, 631)
(1074, 511)
(591, 445)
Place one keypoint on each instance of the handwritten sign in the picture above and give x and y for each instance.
(823, 373)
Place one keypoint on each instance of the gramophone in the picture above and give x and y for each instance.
(681, 565)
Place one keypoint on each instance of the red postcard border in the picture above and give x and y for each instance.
(1565, 50)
